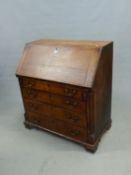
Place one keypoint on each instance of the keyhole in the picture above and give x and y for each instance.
(56, 50)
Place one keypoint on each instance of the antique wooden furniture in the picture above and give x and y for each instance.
(66, 88)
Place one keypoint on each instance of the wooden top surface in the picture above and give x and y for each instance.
(66, 61)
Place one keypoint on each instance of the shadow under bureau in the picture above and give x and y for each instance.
(66, 88)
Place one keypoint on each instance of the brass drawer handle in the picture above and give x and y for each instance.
(74, 103)
(71, 102)
(74, 91)
(66, 90)
(30, 83)
(72, 117)
(70, 92)
(32, 93)
(36, 120)
(34, 107)
(68, 102)
(74, 132)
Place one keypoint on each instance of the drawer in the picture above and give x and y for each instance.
(57, 100)
(72, 131)
(39, 108)
(33, 94)
(69, 103)
(57, 112)
(56, 88)
(41, 120)
(78, 119)
(58, 126)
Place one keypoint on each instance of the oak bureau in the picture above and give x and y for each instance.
(66, 88)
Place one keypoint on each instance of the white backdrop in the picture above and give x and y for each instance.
(22, 21)
(25, 20)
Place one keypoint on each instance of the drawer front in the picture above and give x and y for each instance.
(72, 131)
(37, 107)
(57, 100)
(33, 94)
(69, 103)
(41, 120)
(56, 88)
(57, 112)
(57, 126)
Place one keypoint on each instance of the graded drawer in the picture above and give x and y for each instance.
(33, 94)
(56, 112)
(58, 126)
(41, 120)
(56, 88)
(72, 131)
(57, 100)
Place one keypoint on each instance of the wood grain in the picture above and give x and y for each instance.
(66, 88)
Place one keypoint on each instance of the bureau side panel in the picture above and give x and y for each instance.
(102, 90)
